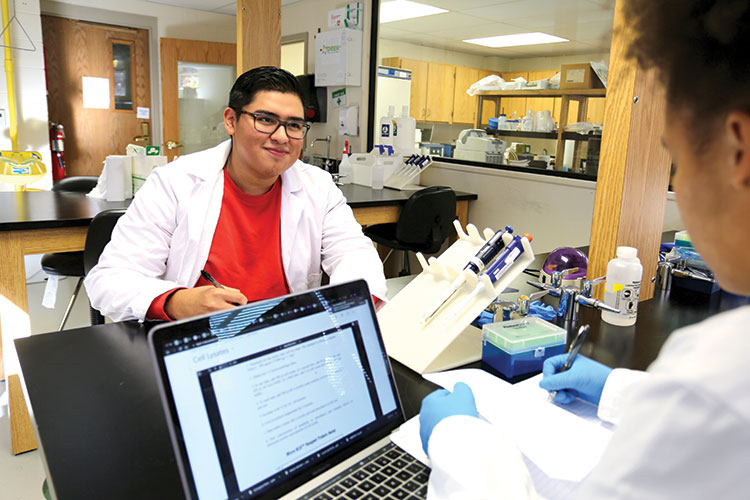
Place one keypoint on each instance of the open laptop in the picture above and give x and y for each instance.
(291, 397)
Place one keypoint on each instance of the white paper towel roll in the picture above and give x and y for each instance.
(118, 171)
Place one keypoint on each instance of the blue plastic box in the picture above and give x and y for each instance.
(520, 346)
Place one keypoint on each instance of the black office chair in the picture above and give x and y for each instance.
(425, 222)
(69, 263)
(97, 237)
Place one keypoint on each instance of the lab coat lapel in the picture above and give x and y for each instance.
(292, 205)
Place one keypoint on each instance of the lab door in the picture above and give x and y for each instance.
(98, 84)
(196, 78)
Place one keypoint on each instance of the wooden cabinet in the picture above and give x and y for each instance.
(419, 71)
(441, 82)
(464, 105)
(432, 87)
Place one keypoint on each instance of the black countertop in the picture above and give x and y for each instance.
(525, 170)
(101, 423)
(363, 196)
(49, 209)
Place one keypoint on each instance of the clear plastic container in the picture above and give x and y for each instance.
(520, 346)
(623, 287)
(345, 170)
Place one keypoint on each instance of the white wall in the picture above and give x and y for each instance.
(30, 89)
(310, 16)
(545, 63)
(556, 211)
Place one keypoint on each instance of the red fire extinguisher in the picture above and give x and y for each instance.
(56, 136)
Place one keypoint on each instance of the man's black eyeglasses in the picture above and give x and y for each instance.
(269, 124)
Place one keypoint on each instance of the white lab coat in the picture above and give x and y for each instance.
(684, 432)
(163, 240)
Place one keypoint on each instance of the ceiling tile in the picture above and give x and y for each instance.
(478, 31)
(455, 6)
(542, 9)
(230, 8)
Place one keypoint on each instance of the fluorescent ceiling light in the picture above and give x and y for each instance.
(398, 10)
(535, 38)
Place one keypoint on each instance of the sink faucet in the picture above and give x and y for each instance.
(328, 148)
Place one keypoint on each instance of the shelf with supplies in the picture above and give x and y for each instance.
(581, 96)
(567, 136)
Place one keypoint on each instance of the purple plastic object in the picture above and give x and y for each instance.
(565, 258)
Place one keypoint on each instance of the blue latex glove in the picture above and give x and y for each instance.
(584, 380)
(540, 310)
(441, 404)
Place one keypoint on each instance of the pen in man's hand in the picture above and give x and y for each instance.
(575, 346)
(210, 279)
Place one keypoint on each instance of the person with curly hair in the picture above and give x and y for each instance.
(683, 426)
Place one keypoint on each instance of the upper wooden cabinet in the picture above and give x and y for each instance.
(418, 99)
(464, 105)
(432, 87)
(441, 81)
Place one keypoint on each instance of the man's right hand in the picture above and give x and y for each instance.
(585, 379)
(200, 300)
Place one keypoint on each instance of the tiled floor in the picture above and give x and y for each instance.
(21, 476)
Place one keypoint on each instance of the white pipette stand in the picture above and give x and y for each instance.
(447, 340)
(405, 174)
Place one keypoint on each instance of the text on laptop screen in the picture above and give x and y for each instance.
(267, 391)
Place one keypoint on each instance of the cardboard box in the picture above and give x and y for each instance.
(579, 76)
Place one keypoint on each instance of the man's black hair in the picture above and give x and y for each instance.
(259, 79)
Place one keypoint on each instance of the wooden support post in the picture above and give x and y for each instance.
(633, 177)
(258, 34)
(22, 438)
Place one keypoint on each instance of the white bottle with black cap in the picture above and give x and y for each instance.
(623, 287)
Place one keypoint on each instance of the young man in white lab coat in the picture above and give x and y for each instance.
(258, 220)
(683, 430)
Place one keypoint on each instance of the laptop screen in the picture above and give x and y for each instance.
(263, 397)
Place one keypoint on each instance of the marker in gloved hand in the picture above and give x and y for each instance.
(483, 257)
(575, 346)
(497, 269)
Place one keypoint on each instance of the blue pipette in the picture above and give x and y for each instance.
(496, 269)
(475, 265)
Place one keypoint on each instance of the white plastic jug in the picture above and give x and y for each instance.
(386, 128)
(406, 127)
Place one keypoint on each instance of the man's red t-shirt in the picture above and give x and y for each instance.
(246, 249)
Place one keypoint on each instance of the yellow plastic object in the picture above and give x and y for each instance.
(21, 167)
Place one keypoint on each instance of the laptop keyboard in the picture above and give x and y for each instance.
(388, 473)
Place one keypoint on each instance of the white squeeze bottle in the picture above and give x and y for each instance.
(386, 128)
(345, 167)
(623, 287)
(378, 174)
(406, 127)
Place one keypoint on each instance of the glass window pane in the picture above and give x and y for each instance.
(123, 80)
(203, 92)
